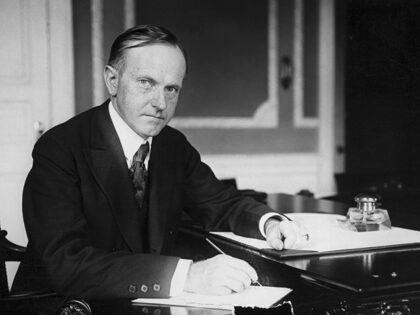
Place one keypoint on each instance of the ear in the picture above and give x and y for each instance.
(111, 79)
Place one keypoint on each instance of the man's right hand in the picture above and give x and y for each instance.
(220, 275)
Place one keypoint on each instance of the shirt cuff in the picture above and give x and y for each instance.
(180, 277)
(269, 215)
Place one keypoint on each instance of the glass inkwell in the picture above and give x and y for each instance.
(366, 217)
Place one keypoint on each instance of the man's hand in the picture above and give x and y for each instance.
(284, 234)
(220, 275)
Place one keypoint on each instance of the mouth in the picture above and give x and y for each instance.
(155, 117)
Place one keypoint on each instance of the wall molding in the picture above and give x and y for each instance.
(272, 173)
(327, 70)
(267, 113)
(60, 33)
(98, 87)
(129, 13)
(299, 119)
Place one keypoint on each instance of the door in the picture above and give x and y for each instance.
(35, 92)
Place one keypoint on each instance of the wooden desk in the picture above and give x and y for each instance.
(63, 306)
(356, 281)
(59, 305)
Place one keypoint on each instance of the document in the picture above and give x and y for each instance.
(326, 235)
(254, 296)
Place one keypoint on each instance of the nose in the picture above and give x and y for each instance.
(159, 100)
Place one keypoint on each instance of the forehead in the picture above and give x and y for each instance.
(155, 59)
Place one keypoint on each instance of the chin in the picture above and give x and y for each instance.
(153, 133)
(150, 130)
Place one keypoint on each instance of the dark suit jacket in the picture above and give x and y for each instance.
(81, 217)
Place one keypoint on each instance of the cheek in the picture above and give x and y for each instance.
(171, 101)
(130, 93)
(171, 106)
(134, 102)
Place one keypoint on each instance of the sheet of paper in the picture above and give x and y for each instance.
(253, 242)
(254, 296)
(326, 235)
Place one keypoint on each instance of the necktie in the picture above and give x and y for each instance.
(139, 172)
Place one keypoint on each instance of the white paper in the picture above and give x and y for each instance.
(325, 235)
(253, 242)
(254, 296)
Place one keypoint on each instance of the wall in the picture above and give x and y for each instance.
(236, 107)
(382, 80)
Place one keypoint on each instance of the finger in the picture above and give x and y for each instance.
(274, 236)
(216, 276)
(275, 242)
(222, 290)
(226, 273)
(240, 276)
(290, 241)
(230, 277)
(290, 237)
(234, 284)
(273, 228)
(242, 266)
(217, 290)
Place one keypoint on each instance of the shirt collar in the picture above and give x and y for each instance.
(130, 141)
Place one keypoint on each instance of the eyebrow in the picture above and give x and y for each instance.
(146, 77)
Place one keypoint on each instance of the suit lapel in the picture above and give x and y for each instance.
(110, 169)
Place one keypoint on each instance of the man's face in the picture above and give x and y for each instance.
(146, 88)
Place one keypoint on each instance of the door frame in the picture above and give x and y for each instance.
(61, 70)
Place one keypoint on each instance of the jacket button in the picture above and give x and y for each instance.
(144, 288)
(156, 287)
(132, 288)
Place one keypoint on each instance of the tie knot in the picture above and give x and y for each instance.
(141, 153)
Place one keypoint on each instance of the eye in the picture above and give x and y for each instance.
(145, 84)
(172, 90)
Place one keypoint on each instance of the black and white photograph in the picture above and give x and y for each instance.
(210, 157)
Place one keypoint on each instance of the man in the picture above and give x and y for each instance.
(101, 213)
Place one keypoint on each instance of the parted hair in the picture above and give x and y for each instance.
(139, 36)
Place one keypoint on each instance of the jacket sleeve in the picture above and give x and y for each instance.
(59, 238)
(216, 206)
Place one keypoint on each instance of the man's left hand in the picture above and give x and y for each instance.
(284, 234)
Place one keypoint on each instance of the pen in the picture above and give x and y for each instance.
(222, 252)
